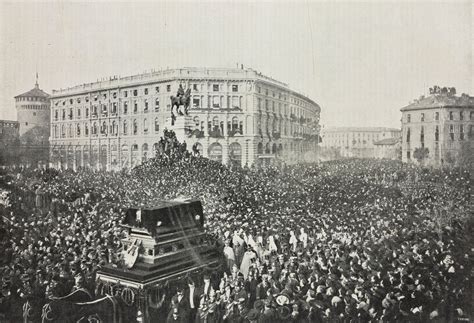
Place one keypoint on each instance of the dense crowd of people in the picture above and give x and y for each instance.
(351, 240)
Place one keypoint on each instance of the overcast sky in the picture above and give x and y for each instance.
(361, 62)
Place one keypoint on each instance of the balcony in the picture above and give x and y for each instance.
(216, 133)
(234, 132)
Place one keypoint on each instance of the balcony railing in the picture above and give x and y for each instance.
(216, 133)
(234, 132)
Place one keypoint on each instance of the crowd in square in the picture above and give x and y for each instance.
(341, 241)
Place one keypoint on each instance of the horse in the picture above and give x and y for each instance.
(181, 101)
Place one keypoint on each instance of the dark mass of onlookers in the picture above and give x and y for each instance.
(350, 241)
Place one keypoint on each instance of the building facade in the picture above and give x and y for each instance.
(389, 148)
(441, 124)
(9, 139)
(9, 130)
(347, 142)
(239, 116)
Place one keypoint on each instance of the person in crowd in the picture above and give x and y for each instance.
(361, 240)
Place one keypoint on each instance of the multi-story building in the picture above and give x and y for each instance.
(354, 141)
(9, 139)
(239, 116)
(438, 129)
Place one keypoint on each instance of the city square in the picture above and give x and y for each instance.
(224, 194)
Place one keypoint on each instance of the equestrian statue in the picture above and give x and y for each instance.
(182, 99)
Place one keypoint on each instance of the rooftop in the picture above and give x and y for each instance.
(359, 129)
(35, 92)
(8, 121)
(440, 101)
(387, 141)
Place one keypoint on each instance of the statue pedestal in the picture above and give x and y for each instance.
(181, 125)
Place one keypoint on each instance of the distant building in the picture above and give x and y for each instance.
(33, 116)
(9, 130)
(389, 148)
(439, 127)
(239, 117)
(9, 140)
(33, 109)
(356, 141)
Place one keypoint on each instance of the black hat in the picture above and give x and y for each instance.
(253, 315)
(284, 313)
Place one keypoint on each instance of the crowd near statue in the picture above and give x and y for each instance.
(341, 241)
(179, 102)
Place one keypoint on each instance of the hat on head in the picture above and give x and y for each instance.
(253, 315)
(258, 305)
(284, 313)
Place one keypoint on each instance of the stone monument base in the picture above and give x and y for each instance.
(182, 125)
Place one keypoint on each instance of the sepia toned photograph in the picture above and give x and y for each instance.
(236, 161)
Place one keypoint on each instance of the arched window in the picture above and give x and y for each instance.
(235, 123)
(63, 131)
(215, 152)
(78, 130)
(196, 121)
(235, 154)
(145, 125)
(86, 130)
(94, 128)
(103, 129)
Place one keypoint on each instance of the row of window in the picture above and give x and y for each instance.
(436, 133)
(69, 131)
(451, 116)
(33, 98)
(34, 107)
(113, 129)
(104, 110)
(125, 93)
